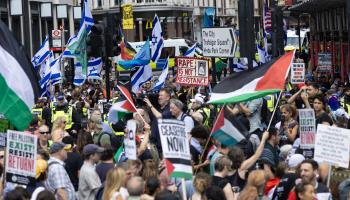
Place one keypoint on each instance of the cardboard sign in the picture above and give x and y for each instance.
(128, 18)
(192, 71)
(332, 145)
(129, 140)
(324, 63)
(307, 128)
(297, 73)
(176, 148)
(21, 157)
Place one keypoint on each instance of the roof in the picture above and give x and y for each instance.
(310, 6)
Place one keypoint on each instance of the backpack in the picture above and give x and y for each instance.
(116, 141)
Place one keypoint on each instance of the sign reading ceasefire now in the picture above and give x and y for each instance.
(218, 42)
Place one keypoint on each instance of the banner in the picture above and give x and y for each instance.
(21, 157)
(332, 145)
(297, 73)
(307, 128)
(192, 71)
(129, 141)
(324, 62)
(176, 148)
(128, 18)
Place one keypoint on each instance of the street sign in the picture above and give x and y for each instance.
(218, 42)
(56, 38)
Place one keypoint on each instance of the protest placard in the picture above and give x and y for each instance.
(192, 71)
(129, 140)
(2, 139)
(20, 157)
(332, 145)
(297, 73)
(176, 148)
(307, 128)
(324, 62)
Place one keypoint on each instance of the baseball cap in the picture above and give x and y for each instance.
(92, 148)
(295, 160)
(58, 146)
(41, 167)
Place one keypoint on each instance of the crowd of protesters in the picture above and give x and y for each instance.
(76, 152)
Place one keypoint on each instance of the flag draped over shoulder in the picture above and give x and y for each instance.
(257, 83)
(227, 132)
(122, 107)
(18, 83)
(42, 54)
(157, 39)
(143, 57)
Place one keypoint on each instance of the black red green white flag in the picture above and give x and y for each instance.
(257, 83)
(18, 82)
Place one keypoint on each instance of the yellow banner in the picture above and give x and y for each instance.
(128, 18)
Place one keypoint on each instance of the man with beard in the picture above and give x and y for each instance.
(308, 173)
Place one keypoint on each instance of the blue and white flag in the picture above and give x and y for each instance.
(42, 54)
(45, 80)
(191, 51)
(94, 68)
(87, 19)
(161, 79)
(79, 77)
(262, 54)
(142, 75)
(66, 53)
(142, 58)
(157, 39)
(56, 76)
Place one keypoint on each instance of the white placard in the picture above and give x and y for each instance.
(297, 73)
(219, 42)
(129, 140)
(192, 71)
(176, 148)
(332, 146)
(307, 128)
(21, 153)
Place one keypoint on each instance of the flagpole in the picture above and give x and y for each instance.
(274, 110)
(206, 145)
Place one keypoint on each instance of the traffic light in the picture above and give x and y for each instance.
(95, 41)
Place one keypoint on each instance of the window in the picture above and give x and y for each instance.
(99, 3)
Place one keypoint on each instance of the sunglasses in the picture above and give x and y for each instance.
(45, 132)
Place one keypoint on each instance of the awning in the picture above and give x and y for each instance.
(311, 6)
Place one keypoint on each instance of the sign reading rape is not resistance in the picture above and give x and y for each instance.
(20, 157)
(192, 71)
(176, 148)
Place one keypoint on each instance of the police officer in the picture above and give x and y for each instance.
(62, 108)
(345, 101)
(43, 112)
(198, 106)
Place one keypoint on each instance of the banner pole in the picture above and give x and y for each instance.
(329, 175)
(183, 185)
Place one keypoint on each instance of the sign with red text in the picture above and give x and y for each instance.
(192, 71)
(21, 152)
(307, 128)
(297, 73)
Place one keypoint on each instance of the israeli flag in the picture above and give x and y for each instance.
(161, 79)
(262, 54)
(66, 53)
(94, 69)
(142, 75)
(45, 80)
(191, 51)
(157, 39)
(56, 75)
(79, 77)
(87, 20)
(42, 54)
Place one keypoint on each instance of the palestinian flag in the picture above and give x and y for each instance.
(227, 132)
(122, 107)
(119, 156)
(253, 84)
(18, 82)
(178, 168)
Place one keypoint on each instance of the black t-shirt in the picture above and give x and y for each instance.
(286, 184)
(324, 117)
(236, 180)
(47, 116)
(73, 165)
(155, 138)
(102, 170)
(195, 155)
(219, 181)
